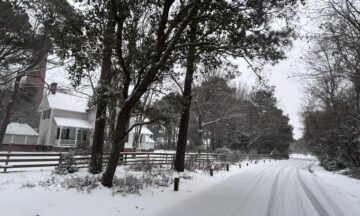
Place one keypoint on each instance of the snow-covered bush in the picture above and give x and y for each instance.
(144, 166)
(28, 185)
(128, 185)
(132, 184)
(192, 164)
(158, 178)
(218, 166)
(67, 164)
(235, 156)
(48, 182)
(87, 183)
(332, 164)
(224, 151)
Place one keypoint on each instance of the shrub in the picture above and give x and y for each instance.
(87, 183)
(67, 164)
(127, 185)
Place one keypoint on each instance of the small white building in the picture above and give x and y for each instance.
(145, 143)
(66, 122)
(20, 133)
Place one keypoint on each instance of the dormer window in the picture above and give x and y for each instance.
(46, 114)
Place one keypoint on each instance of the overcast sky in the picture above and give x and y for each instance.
(289, 89)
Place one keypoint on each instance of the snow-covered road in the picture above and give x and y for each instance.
(281, 188)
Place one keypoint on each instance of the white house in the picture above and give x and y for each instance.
(66, 122)
(20, 133)
(144, 143)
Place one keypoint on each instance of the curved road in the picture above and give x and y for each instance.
(282, 188)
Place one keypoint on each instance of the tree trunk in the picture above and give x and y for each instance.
(101, 98)
(200, 131)
(122, 125)
(10, 108)
(168, 135)
(184, 120)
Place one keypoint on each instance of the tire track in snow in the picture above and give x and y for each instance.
(274, 188)
(271, 205)
(217, 210)
(331, 202)
(315, 202)
(255, 185)
(250, 190)
(250, 186)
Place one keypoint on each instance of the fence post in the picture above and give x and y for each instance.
(7, 157)
(211, 172)
(148, 158)
(172, 161)
(197, 161)
(227, 167)
(166, 159)
(176, 183)
(240, 165)
(125, 159)
(208, 160)
(7, 161)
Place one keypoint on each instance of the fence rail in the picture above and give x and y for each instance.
(38, 160)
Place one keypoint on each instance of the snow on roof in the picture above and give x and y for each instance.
(15, 128)
(145, 130)
(63, 101)
(72, 122)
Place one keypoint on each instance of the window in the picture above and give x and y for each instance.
(64, 134)
(46, 114)
(81, 135)
(84, 135)
(58, 133)
(127, 138)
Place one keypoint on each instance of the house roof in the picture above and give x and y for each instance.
(145, 130)
(15, 128)
(64, 101)
(72, 122)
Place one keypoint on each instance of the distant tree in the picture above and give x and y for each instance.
(213, 102)
(266, 126)
(167, 110)
(331, 116)
(230, 28)
(20, 54)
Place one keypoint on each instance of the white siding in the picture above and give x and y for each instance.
(20, 139)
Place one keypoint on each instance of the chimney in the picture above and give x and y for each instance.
(53, 87)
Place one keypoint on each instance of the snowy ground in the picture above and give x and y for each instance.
(281, 188)
(21, 195)
(277, 188)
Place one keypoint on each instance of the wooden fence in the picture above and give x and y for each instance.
(16, 161)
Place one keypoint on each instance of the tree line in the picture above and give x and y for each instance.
(221, 116)
(135, 45)
(332, 113)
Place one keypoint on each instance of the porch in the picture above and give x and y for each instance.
(72, 133)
